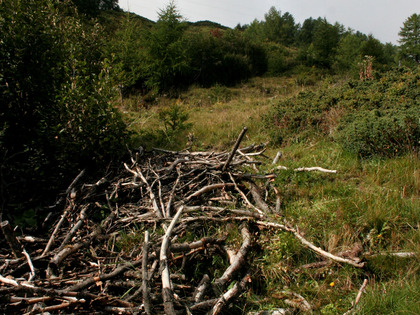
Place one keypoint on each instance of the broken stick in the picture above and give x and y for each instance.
(235, 147)
(316, 249)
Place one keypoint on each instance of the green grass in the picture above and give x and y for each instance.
(374, 202)
(393, 297)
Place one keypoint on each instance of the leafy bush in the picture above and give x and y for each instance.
(54, 92)
(379, 132)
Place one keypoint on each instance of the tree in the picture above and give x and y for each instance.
(326, 37)
(125, 50)
(165, 56)
(410, 38)
(255, 31)
(280, 28)
(306, 32)
(374, 48)
(348, 52)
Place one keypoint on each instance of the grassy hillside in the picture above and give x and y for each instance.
(371, 203)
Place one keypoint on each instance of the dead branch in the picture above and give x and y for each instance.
(184, 247)
(201, 289)
(244, 197)
(235, 147)
(92, 280)
(296, 301)
(229, 295)
(207, 189)
(31, 265)
(57, 227)
(145, 285)
(393, 254)
(359, 295)
(93, 264)
(167, 293)
(74, 229)
(277, 157)
(11, 239)
(238, 263)
(308, 169)
(258, 199)
(305, 242)
(316, 168)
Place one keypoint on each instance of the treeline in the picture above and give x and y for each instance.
(172, 53)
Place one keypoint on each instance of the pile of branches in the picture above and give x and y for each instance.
(134, 242)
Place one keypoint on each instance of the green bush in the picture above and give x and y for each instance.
(55, 116)
(374, 117)
(380, 133)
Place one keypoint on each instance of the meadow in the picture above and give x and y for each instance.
(371, 203)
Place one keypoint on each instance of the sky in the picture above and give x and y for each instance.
(381, 18)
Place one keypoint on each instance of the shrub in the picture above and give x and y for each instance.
(380, 133)
(54, 92)
(374, 117)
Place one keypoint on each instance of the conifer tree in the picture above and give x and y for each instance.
(410, 38)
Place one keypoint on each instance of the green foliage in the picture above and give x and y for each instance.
(380, 132)
(348, 53)
(173, 118)
(224, 57)
(306, 32)
(165, 58)
(55, 117)
(394, 297)
(410, 39)
(322, 50)
(375, 117)
(220, 93)
(280, 58)
(124, 46)
(279, 28)
(373, 47)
